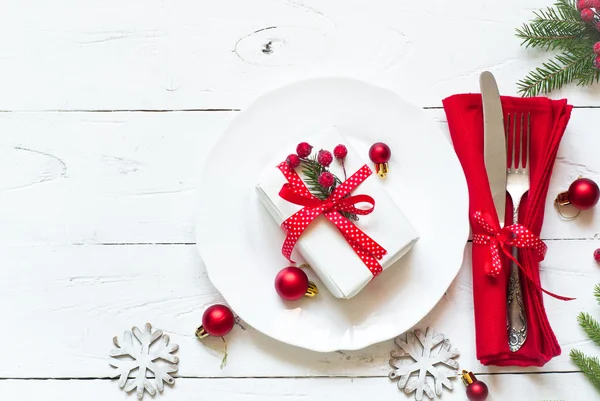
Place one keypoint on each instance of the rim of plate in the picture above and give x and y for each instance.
(458, 258)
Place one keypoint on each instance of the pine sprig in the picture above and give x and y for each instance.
(312, 169)
(590, 326)
(560, 28)
(564, 69)
(590, 366)
(597, 293)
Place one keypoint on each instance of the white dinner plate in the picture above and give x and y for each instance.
(240, 243)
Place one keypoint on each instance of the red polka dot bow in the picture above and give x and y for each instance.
(502, 239)
(499, 239)
(295, 191)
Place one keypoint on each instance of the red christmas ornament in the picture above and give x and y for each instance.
(380, 154)
(326, 179)
(587, 14)
(597, 255)
(291, 283)
(583, 194)
(476, 390)
(293, 161)
(303, 149)
(217, 321)
(340, 152)
(324, 158)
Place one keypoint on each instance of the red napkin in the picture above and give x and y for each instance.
(549, 119)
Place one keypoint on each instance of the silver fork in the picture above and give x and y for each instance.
(517, 183)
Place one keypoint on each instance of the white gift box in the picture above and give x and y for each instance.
(322, 245)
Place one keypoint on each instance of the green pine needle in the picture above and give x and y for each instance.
(311, 169)
(560, 28)
(564, 69)
(597, 293)
(590, 366)
(590, 326)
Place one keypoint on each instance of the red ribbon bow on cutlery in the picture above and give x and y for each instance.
(501, 239)
(295, 191)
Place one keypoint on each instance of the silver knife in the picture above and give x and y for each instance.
(494, 142)
(496, 167)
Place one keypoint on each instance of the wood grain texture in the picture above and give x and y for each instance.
(547, 387)
(96, 178)
(146, 54)
(68, 302)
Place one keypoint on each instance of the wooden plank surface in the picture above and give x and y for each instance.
(67, 303)
(93, 178)
(97, 208)
(564, 387)
(190, 54)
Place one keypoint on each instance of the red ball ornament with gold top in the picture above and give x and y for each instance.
(476, 390)
(583, 194)
(217, 321)
(292, 283)
(380, 154)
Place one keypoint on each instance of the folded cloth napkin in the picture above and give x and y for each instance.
(548, 122)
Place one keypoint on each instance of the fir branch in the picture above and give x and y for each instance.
(597, 293)
(590, 366)
(590, 326)
(550, 34)
(565, 68)
(560, 28)
(312, 169)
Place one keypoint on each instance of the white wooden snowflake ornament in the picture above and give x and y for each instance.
(147, 356)
(424, 362)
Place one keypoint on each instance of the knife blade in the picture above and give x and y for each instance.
(494, 141)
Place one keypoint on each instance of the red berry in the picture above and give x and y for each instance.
(597, 255)
(293, 160)
(581, 4)
(587, 15)
(303, 149)
(324, 158)
(595, 4)
(340, 152)
(597, 48)
(598, 25)
(597, 62)
(326, 179)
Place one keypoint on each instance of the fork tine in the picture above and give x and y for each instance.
(521, 141)
(507, 132)
(513, 164)
(528, 154)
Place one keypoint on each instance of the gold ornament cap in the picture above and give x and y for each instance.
(381, 169)
(468, 378)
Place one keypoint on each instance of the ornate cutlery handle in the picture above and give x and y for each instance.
(517, 321)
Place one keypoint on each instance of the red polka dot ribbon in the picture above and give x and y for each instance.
(295, 191)
(502, 239)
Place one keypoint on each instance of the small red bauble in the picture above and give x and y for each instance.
(380, 154)
(476, 390)
(584, 193)
(340, 152)
(597, 255)
(587, 14)
(291, 283)
(217, 321)
(324, 158)
(326, 179)
(303, 149)
(293, 161)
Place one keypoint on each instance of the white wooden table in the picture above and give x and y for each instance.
(107, 108)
